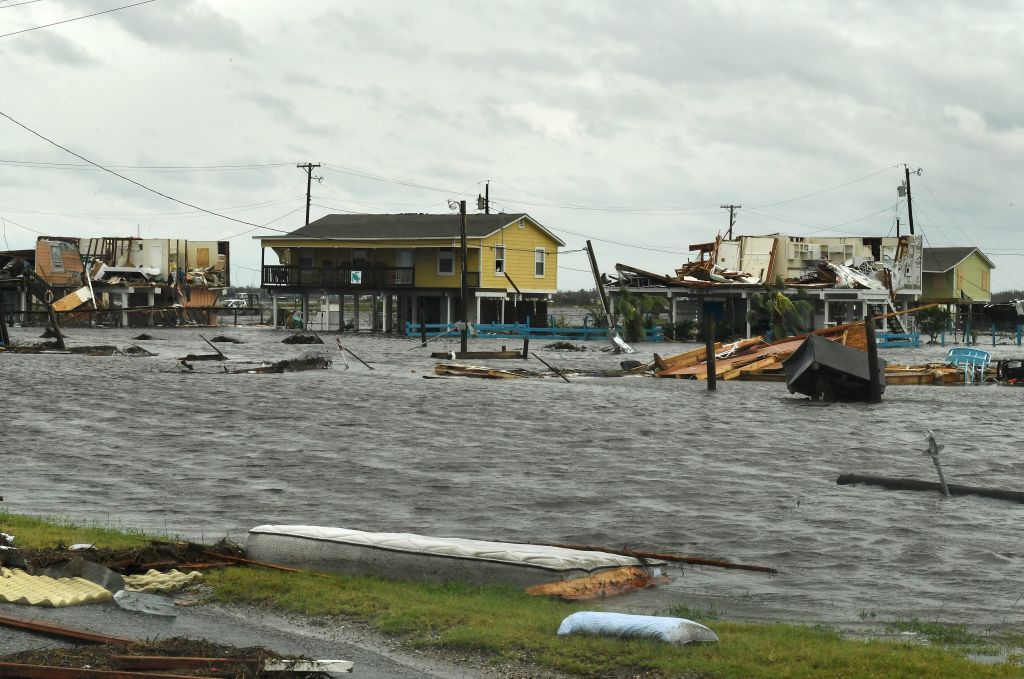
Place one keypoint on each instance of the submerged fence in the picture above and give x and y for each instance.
(521, 330)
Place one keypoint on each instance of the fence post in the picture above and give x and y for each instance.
(993, 333)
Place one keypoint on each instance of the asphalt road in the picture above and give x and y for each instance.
(375, 657)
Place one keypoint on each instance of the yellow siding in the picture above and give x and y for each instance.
(972, 278)
(369, 244)
(520, 245)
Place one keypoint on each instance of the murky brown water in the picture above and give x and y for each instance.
(746, 473)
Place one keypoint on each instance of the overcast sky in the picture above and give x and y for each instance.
(626, 123)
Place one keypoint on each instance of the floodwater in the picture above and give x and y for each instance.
(746, 473)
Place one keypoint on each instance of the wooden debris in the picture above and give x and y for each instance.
(475, 371)
(696, 560)
(895, 483)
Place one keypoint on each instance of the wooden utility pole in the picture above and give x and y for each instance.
(910, 203)
(308, 167)
(487, 197)
(732, 217)
(600, 289)
(465, 287)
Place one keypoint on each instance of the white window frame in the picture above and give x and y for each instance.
(499, 262)
(539, 257)
(451, 253)
(56, 258)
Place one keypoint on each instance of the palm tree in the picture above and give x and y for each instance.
(786, 316)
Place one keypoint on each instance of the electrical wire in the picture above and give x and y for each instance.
(831, 188)
(40, 165)
(65, 21)
(127, 179)
(27, 2)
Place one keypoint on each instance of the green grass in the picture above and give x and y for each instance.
(32, 532)
(504, 624)
(507, 624)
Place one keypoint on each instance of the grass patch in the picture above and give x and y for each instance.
(506, 624)
(33, 532)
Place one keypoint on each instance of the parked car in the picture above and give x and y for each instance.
(234, 304)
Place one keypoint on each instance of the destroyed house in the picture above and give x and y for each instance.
(412, 264)
(125, 273)
(842, 277)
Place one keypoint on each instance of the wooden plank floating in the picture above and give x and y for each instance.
(895, 483)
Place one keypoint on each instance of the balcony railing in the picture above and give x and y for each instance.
(374, 278)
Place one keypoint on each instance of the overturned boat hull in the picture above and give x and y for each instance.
(540, 569)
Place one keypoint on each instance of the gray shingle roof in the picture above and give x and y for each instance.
(412, 225)
(941, 260)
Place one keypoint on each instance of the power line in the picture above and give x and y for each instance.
(127, 179)
(831, 188)
(41, 165)
(27, 2)
(65, 21)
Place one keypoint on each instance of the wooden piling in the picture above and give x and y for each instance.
(874, 384)
(709, 349)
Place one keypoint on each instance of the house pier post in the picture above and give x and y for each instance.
(826, 321)
(23, 307)
(152, 303)
(447, 309)
(305, 310)
(376, 315)
(388, 309)
(477, 319)
(746, 316)
(124, 305)
(273, 314)
(355, 311)
(341, 311)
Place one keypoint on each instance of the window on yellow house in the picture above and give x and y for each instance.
(499, 259)
(538, 262)
(445, 261)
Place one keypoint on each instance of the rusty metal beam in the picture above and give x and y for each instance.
(61, 631)
(21, 671)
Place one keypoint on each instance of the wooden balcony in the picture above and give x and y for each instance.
(370, 278)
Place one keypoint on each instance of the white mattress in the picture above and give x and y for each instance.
(538, 556)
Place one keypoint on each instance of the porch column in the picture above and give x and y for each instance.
(273, 317)
(152, 303)
(124, 305)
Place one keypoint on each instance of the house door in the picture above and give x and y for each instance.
(156, 257)
(404, 258)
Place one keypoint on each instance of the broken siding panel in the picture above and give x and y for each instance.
(58, 262)
(756, 257)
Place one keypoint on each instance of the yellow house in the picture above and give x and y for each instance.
(956, 275)
(413, 263)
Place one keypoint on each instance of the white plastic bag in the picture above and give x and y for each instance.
(672, 630)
